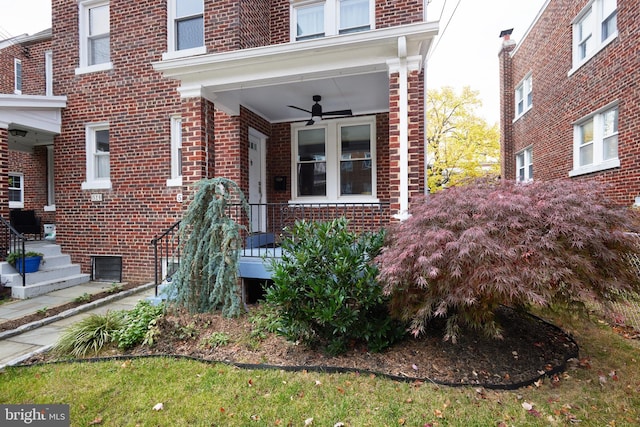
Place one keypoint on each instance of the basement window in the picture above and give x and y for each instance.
(106, 268)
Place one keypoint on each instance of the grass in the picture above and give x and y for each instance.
(124, 393)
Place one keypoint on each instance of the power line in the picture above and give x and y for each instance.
(445, 27)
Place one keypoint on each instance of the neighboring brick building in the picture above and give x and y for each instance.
(570, 99)
(155, 95)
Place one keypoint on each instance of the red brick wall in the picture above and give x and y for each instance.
(33, 68)
(559, 100)
(4, 159)
(137, 102)
(33, 167)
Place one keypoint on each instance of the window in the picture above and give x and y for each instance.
(98, 153)
(334, 160)
(524, 165)
(313, 19)
(16, 190)
(524, 96)
(95, 53)
(17, 72)
(596, 142)
(176, 152)
(185, 27)
(594, 28)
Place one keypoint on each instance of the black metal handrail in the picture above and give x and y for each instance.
(166, 253)
(11, 240)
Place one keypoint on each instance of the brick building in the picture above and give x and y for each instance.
(570, 99)
(145, 98)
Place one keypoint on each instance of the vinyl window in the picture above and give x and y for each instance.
(95, 36)
(596, 142)
(594, 28)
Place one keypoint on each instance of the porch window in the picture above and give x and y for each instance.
(313, 19)
(16, 190)
(185, 27)
(94, 19)
(334, 161)
(176, 152)
(98, 157)
(17, 72)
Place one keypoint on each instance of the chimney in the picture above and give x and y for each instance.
(506, 34)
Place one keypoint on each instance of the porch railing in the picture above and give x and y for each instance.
(267, 224)
(12, 240)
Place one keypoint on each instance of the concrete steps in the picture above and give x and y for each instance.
(56, 272)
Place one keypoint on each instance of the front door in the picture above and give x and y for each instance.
(257, 178)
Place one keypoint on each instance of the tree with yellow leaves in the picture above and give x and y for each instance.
(460, 143)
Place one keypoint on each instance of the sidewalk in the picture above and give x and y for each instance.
(20, 344)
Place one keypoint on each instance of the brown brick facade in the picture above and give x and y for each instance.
(562, 96)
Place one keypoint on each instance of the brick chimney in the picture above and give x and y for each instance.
(507, 159)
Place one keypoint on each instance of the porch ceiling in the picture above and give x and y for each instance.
(348, 71)
(39, 116)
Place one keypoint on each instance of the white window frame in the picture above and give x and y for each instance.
(524, 161)
(17, 76)
(599, 163)
(172, 51)
(333, 158)
(84, 8)
(331, 17)
(20, 204)
(176, 152)
(524, 93)
(48, 73)
(594, 8)
(92, 182)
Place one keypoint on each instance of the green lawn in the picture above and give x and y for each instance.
(602, 390)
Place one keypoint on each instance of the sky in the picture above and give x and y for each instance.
(464, 54)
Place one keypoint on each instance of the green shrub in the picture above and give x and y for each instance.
(138, 324)
(89, 334)
(469, 249)
(325, 289)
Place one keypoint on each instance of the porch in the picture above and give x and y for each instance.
(266, 226)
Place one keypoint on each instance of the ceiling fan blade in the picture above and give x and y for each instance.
(298, 108)
(338, 113)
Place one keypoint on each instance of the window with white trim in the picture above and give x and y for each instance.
(176, 152)
(95, 36)
(594, 28)
(17, 73)
(524, 95)
(312, 19)
(98, 157)
(595, 144)
(185, 27)
(524, 165)
(334, 160)
(16, 190)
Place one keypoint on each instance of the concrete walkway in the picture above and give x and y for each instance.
(20, 344)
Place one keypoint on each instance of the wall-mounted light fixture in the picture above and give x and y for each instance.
(18, 132)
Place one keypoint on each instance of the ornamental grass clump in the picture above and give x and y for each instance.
(469, 249)
(207, 278)
(325, 290)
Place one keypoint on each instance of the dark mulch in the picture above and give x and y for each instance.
(5, 293)
(531, 348)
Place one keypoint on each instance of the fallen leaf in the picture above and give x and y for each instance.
(158, 407)
(438, 413)
(527, 406)
(402, 421)
(339, 424)
(250, 382)
(340, 390)
(222, 410)
(534, 413)
(318, 382)
(308, 421)
(414, 367)
(613, 375)
(96, 421)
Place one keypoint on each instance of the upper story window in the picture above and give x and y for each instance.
(334, 160)
(594, 28)
(17, 72)
(524, 165)
(595, 145)
(313, 19)
(98, 157)
(185, 27)
(524, 96)
(176, 152)
(16, 190)
(95, 51)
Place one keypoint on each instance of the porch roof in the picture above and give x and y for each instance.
(349, 71)
(40, 116)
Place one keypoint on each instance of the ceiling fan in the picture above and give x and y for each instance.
(316, 111)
